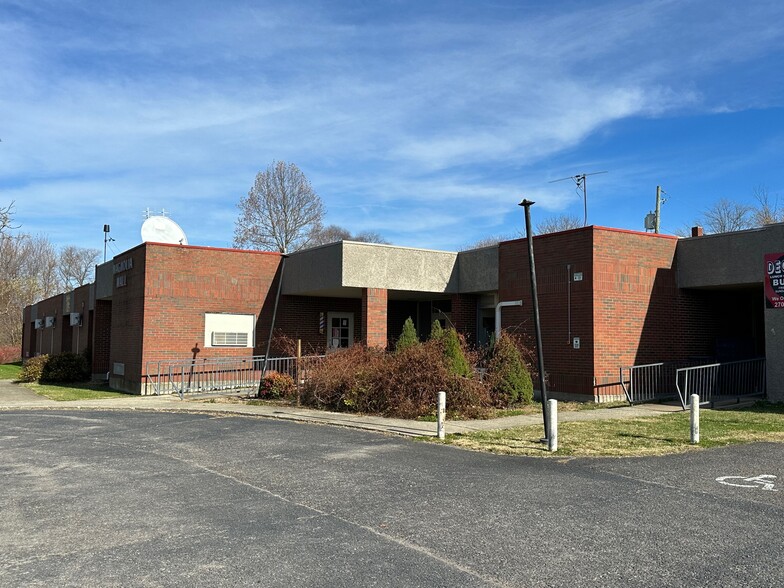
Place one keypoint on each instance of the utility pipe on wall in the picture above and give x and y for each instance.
(498, 314)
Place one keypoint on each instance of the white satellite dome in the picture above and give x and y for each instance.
(162, 229)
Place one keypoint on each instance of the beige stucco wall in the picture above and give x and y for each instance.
(367, 265)
(314, 270)
(727, 259)
(478, 270)
(348, 265)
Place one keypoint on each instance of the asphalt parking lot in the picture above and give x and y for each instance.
(94, 498)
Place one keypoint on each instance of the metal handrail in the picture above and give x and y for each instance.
(716, 381)
(646, 382)
(220, 374)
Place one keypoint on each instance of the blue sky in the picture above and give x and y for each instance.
(424, 121)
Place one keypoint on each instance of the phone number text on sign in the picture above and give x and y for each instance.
(774, 280)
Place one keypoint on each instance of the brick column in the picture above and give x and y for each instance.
(374, 317)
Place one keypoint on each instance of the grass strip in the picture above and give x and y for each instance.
(10, 371)
(643, 436)
(64, 392)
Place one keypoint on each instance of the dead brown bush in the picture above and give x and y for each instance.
(403, 384)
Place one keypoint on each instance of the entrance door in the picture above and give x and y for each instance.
(340, 330)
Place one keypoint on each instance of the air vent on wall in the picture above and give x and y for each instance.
(229, 339)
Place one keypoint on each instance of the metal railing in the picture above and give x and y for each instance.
(648, 383)
(721, 381)
(220, 375)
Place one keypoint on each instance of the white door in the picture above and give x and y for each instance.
(340, 330)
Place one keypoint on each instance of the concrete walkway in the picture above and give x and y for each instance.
(16, 397)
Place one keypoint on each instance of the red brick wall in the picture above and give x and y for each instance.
(127, 324)
(101, 336)
(557, 256)
(298, 318)
(49, 340)
(182, 284)
(635, 301)
(465, 315)
(626, 310)
(28, 334)
(374, 317)
(641, 314)
(77, 339)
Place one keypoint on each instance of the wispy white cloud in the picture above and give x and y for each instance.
(401, 119)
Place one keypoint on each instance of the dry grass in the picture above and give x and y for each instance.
(636, 437)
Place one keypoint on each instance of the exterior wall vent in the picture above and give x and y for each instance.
(229, 339)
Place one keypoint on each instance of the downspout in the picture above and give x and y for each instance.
(274, 314)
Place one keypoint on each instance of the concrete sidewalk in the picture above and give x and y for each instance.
(16, 397)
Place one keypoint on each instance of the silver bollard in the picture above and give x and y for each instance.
(552, 424)
(441, 414)
(695, 418)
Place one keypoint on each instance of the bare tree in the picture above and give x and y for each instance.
(767, 213)
(28, 273)
(335, 233)
(6, 219)
(280, 211)
(490, 241)
(555, 224)
(369, 237)
(76, 265)
(330, 234)
(726, 216)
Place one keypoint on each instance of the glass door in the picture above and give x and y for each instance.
(340, 330)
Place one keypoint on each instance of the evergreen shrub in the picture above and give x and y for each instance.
(65, 367)
(408, 337)
(508, 377)
(32, 368)
(453, 353)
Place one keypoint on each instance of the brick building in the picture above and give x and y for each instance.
(608, 298)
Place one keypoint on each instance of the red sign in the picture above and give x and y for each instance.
(774, 280)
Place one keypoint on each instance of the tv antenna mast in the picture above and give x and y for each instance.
(106, 239)
(581, 183)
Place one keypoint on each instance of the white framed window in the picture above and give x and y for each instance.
(229, 330)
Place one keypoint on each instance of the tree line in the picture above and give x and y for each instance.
(33, 269)
(727, 215)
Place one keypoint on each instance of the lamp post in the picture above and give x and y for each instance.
(526, 204)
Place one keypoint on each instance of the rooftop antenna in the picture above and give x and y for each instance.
(579, 180)
(106, 240)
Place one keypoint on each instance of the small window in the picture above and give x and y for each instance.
(229, 339)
